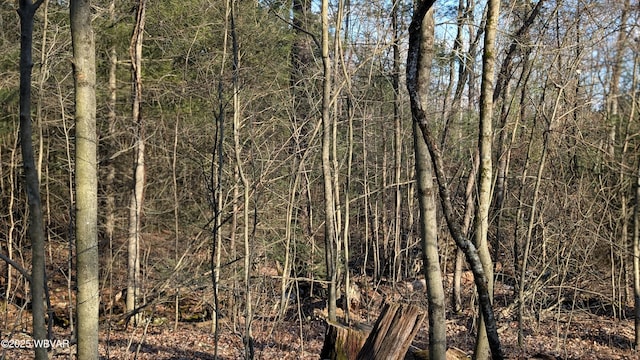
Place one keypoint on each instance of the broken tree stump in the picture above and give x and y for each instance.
(392, 333)
(341, 342)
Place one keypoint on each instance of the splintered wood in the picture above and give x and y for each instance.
(342, 342)
(389, 339)
(393, 332)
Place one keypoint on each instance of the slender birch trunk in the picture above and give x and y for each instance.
(330, 236)
(137, 194)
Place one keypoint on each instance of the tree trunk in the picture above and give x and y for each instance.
(86, 180)
(469, 210)
(248, 306)
(392, 333)
(428, 210)
(485, 173)
(636, 262)
(27, 11)
(330, 236)
(397, 145)
(137, 194)
(636, 230)
(344, 227)
(341, 342)
(109, 178)
(419, 116)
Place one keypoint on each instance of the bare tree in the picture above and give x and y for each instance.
(86, 184)
(244, 180)
(27, 10)
(419, 116)
(636, 222)
(485, 171)
(636, 263)
(397, 143)
(137, 192)
(427, 202)
(330, 236)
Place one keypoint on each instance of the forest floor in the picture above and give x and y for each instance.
(578, 328)
(559, 334)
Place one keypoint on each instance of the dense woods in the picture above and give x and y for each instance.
(237, 179)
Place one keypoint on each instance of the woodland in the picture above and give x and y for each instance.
(240, 179)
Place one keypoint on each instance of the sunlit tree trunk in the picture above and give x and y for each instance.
(27, 10)
(342, 228)
(109, 178)
(237, 124)
(428, 210)
(419, 116)
(86, 179)
(485, 172)
(137, 193)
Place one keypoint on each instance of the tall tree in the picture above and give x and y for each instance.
(636, 262)
(109, 166)
(636, 221)
(27, 10)
(397, 142)
(86, 179)
(485, 172)
(301, 136)
(137, 193)
(419, 115)
(330, 233)
(427, 202)
(242, 176)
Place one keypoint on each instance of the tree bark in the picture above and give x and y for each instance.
(428, 210)
(248, 305)
(397, 145)
(86, 179)
(27, 10)
(392, 333)
(341, 342)
(485, 173)
(137, 193)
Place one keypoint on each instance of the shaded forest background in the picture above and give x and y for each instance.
(565, 155)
